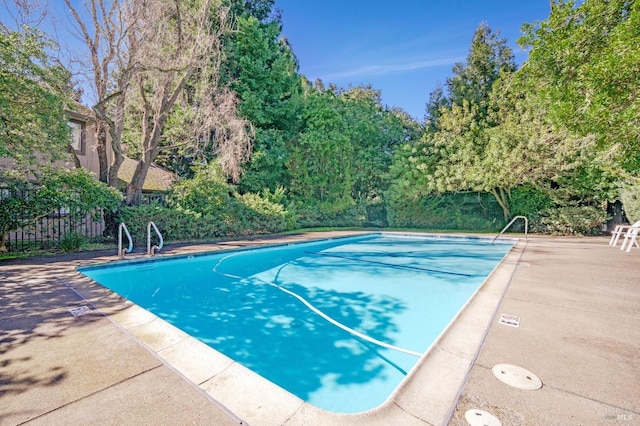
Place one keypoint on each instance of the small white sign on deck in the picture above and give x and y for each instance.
(510, 320)
(79, 311)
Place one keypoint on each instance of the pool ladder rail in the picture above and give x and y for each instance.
(123, 251)
(526, 228)
(150, 249)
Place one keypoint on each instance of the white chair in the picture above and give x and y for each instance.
(619, 230)
(631, 236)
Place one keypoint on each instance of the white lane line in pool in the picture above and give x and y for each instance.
(325, 316)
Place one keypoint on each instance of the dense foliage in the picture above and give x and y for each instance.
(77, 191)
(583, 69)
(559, 127)
(206, 208)
(33, 95)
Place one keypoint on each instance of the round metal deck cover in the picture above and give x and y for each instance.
(481, 418)
(516, 377)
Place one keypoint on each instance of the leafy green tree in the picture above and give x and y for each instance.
(339, 163)
(375, 132)
(320, 159)
(76, 190)
(583, 68)
(495, 136)
(259, 9)
(521, 147)
(630, 196)
(33, 95)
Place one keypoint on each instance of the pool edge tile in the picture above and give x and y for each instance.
(262, 401)
(158, 334)
(195, 360)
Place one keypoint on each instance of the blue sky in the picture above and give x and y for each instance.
(403, 48)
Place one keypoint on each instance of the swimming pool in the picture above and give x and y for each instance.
(337, 322)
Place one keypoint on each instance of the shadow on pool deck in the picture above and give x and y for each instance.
(578, 300)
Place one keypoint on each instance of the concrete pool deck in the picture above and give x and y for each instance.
(578, 301)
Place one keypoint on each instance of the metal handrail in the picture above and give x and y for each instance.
(151, 249)
(121, 251)
(526, 227)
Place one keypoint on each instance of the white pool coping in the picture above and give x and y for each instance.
(427, 395)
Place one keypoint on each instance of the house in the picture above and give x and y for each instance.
(84, 143)
(51, 229)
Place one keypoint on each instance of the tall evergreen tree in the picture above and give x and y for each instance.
(472, 81)
(437, 101)
(263, 71)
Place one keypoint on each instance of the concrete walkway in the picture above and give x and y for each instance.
(578, 301)
(57, 369)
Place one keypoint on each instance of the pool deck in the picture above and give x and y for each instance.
(578, 301)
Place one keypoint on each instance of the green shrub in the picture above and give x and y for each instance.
(238, 216)
(466, 211)
(572, 220)
(72, 242)
(529, 202)
(630, 197)
(339, 213)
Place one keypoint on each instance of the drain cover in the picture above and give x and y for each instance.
(517, 377)
(481, 418)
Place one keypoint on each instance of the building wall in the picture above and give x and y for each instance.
(85, 142)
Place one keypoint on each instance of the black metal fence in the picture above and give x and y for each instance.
(48, 231)
(51, 230)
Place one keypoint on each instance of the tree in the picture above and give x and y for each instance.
(437, 101)
(107, 33)
(338, 165)
(75, 190)
(521, 148)
(259, 9)
(374, 132)
(182, 41)
(150, 59)
(33, 95)
(489, 56)
(583, 68)
(262, 70)
(320, 158)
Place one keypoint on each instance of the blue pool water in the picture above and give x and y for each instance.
(339, 322)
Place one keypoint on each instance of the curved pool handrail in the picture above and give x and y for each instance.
(526, 228)
(151, 249)
(121, 251)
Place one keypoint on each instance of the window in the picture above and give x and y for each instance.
(78, 137)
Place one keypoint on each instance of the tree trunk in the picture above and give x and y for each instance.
(101, 149)
(3, 242)
(134, 188)
(502, 197)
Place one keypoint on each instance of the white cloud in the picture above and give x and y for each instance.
(377, 70)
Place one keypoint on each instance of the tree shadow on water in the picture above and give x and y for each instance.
(278, 337)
